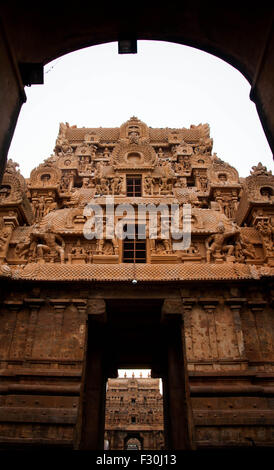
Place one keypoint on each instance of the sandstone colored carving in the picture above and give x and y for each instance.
(75, 308)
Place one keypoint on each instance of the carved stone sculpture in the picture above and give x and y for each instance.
(216, 244)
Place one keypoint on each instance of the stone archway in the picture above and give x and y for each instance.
(133, 442)
(130, 338)
(242, 37)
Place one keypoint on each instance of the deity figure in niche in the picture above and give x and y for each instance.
(103, 186)
(227, 207)
(4, 235)
(244, 249)
(203, 183)
(5, 192)
(77, 252)
(107, 247)
(160, 153)
(133, 134)
(116, 185)
(266, 230)
(193, 250)
(161, 243)
(106, 153)
(148, 185)
(183, 164)
(164, 185)
(266, 193)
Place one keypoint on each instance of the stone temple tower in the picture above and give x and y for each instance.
(75, 306)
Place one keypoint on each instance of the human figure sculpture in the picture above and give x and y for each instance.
(164, 186)
(52, 243)
(22, 249)
(203, 183)
(160, 244)
(247, 247)
(11, 166)
(260, 169)
(266, 230)
(215, 244)
(148, 185)
(107, 246)
(116, 184)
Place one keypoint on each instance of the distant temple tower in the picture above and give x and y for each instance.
(134, 414)
(77, 307)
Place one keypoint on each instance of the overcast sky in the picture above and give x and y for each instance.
(164, 85)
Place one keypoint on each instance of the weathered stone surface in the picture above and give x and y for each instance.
(73, 309)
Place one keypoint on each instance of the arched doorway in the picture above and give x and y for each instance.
(133, 442)
(140, 332)
(52, 33)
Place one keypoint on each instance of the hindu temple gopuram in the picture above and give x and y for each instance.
(74, 308)
(134, 414)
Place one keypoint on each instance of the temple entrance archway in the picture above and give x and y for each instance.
(51, 34)
(137, 334)
(133, 442)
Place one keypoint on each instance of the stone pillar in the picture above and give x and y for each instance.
(235, 305)
(209, 306)
(93, 420)
(34, 305)
(14, 307)
(11, 223)
(59, 306)
(188, 304)
(256, 308)
(177, 405)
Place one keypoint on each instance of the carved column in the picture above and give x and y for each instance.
(257, 307)
(187, 308)
(14, 307)
(235, 305)
(81, 305)
(92, 434)
(178, 411)
(209, 306)
(11, 223)
(59, 306)
(34, 306)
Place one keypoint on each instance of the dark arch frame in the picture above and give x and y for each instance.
(133, 435)
(31, 36)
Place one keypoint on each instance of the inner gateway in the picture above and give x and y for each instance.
(134, 412)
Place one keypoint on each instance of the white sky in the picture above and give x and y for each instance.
(164, 85)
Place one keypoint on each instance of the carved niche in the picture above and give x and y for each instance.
(45, 175)
(259, 186)
(134, 155)
(222, 173)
